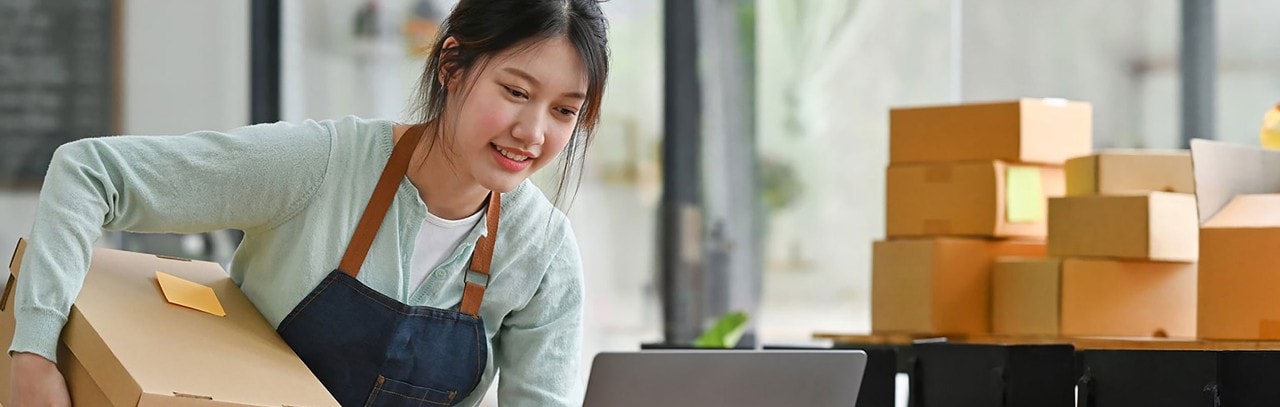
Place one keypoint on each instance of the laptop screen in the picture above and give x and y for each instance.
(726, 378)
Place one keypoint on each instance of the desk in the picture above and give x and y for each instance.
(1020, 370)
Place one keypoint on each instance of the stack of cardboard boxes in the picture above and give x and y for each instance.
(966, 184)
(1122, 247)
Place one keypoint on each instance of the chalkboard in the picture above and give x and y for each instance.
(59, 80)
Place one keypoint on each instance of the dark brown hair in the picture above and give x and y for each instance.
(485, 28)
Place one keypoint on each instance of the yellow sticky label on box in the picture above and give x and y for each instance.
(189, 294)
(1024, 194)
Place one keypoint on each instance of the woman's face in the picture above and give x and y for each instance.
(518, 114)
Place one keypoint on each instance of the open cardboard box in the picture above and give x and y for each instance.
(125, 345)
(1238, 199)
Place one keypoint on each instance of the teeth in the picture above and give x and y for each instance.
(512, 156)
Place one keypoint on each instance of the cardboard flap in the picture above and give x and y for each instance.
(1258, 210)
(1224, 170)
(15, 262)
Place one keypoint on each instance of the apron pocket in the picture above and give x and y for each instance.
(394, 393)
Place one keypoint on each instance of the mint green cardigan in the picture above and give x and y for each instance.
(297, 191)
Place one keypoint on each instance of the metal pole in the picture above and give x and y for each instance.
(1198, 59)
(732, 210)
(264, 61)
(681, 246)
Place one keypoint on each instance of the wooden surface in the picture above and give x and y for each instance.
(1082, 343)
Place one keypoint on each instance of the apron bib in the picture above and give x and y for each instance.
(369, 349)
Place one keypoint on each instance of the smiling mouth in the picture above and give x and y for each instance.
(510, 155)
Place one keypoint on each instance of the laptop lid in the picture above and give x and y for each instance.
(726, 378)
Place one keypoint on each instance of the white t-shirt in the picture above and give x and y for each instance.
(436, 241)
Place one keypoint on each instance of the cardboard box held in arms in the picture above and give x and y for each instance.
(1238, 197)
(125, 345)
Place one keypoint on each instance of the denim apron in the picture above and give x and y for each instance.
(371, 350)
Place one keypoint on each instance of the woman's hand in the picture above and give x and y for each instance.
(35, 381)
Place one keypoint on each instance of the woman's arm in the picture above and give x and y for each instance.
(538, 351)
(250, 178)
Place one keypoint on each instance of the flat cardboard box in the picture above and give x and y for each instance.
(1043, 131)
(1128, 298)
(125, 345)
(1026, 295)
(937, 285)
(1238, 194)
(1129, 172)
(978, 199)
(1158, 226)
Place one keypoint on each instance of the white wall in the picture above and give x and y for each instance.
(824, 109)
(186, 65)
(329, 73)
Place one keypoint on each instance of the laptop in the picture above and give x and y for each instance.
(726, 378)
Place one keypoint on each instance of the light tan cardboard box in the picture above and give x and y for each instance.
(1238, 194)
(1128, 298)
(1044, 131)
(1158, 226)
(937, 285)
(1026, 296)
(1129, 172)
(125, 345)
(978, 199)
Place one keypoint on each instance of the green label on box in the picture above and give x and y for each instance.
(1024, 196)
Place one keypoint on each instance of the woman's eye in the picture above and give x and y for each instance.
(515, 92)
(567, 112)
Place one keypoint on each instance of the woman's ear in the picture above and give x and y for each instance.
(444, 76)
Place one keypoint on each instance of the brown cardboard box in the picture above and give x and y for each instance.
(981, 199)
(1236, 191)
(124, 345)
(1128, 298)
(1129, 172)
(937, 285)
(1044, 131)
(1026, 293)
(1089, 297)
(1157, 226)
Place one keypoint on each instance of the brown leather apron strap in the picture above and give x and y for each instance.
(481, 259)
(380, 201)
(384, 193)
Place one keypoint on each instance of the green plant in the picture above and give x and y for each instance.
(725, 333)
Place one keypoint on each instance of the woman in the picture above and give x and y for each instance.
(451, 265)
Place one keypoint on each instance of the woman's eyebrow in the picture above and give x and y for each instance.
(536, 83)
